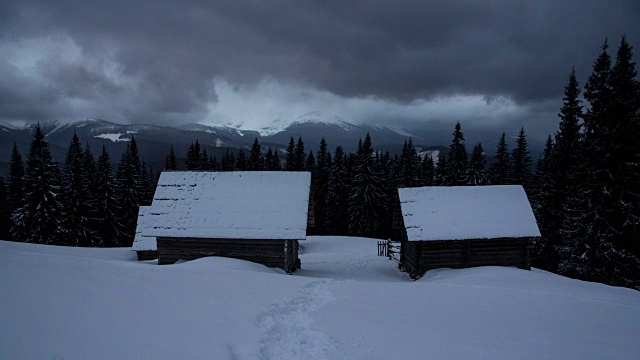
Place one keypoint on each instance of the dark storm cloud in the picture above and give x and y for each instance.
(156, 61)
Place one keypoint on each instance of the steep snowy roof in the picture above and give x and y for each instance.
(230, 205)
(467, 212)
(142, 242)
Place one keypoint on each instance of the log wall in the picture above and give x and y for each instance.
(147, 255)
(419, 256)
(281, 254)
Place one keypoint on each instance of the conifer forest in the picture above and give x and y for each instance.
(584, 189)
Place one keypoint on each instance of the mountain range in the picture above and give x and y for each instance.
(154, 141)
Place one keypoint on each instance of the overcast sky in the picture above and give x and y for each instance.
(406, 63)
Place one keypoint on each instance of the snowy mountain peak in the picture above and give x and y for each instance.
(317, 117)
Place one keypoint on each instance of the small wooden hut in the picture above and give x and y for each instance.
(254, 216)
(463, 226)
(144, 246)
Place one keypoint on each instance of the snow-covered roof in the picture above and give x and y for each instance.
(467, 212)
(142, 242)
(229, 205)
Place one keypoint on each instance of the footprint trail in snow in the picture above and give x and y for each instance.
(288, 326)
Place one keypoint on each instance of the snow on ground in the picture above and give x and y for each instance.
(345, 302)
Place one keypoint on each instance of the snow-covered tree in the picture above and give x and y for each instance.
(170, 163)
(476, 174)
(107, 202)
(75, 198)
(521, 160)
(368, 201)
(455, 173)
(130, 191)
(500, 171)
(40, 219)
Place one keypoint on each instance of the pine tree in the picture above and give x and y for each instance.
(521, 161)
(241, 161)
(476, 174)
(16, 180)
(228, 161)
(39, 219)
(310, 164)
(457, 164)
(171, 163)
(338, 196)
(428, 171)
(408, 174)
(146, 182)
(204, 160)
(107, 202)
(501, 170)
(320, 187)
(75, 197)
(299, 155)
(256, 161)
(214, 164)
(194, 157)
(625, 113)
(290, 159)
(5, 214)
(441, 167)
(130, 191)
(368, 201)
(544, 255)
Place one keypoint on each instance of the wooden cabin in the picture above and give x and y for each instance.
(256, 216)
(463, 226)
(144, 246)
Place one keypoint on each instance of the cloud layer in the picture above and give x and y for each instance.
(167, 61)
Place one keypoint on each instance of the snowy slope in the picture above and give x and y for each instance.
(345, 303)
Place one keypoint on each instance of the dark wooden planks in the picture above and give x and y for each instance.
(420, 256)
(147, 255)
(282, 254)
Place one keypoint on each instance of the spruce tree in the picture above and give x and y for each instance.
(300, 155)
(457, 164)
(5, 213)
(476, 174)
(290, 159)
(16, 180)
(501, 170)
(544, 255)
(338, 196)
(228, 161)
(40, 219)
(521, 161)
(241, 161)
(107, 202)
(75, 197)
(428, 170)
(441, 167)
(625, 113)
(130, 191)
(320, 187)
(408, 173)
(256, 161)
(367, 202)
(310, 164)
(214, 164)
(567, 167)
(204, 160)
(194, 157)
(171, 163)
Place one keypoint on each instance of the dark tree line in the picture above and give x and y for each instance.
(588, 181)
(81, 203)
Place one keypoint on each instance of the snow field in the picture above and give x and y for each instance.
(345, 302)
